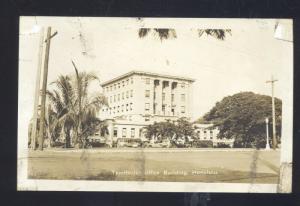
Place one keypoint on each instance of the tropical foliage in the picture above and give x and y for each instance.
(168, 33)
(72, 110)
(170, 130)
(242, 116)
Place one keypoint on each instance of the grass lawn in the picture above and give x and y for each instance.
(249, 166)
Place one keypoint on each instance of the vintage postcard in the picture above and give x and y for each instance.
(155, 104)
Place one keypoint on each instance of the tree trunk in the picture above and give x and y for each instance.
(68, 143)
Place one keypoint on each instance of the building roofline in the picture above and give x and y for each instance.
(148, 74)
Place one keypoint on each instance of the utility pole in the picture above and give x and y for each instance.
(37, 91)
(267, 133)
(272, 81)
(44, 87)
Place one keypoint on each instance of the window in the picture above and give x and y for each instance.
(211, 134)
(127, 94)
(130, 106)
(147, 93)
(173, 111)
(182, 109)
(132, 132)
(122, 108)
(172, 97)
(147, 80)
(163, 108)
(126, 107)
(205, 134)
(119, 85)
(118, 97)
(124, 132)
(163, 96)
(147, 106)
(115, 86)
(131, 93)
(131, 80)
(118, 109)
(183, 97)
(127, 81)
(182, 85)
(110, 99)
(122, 95)
(115, 132)
(114, 98)
(123, 83)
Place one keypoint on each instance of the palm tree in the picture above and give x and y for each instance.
(166, 33)
(75, 109)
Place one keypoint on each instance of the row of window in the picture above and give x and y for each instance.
(147, 95)
(124, 132)
(118, 97)
(119, 84)
(163, 108)
(205, 134)
(118, 109)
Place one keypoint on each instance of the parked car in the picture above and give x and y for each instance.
(126, 142)
(180, 142)
(161, 144)
(134, 143)
(96, 141)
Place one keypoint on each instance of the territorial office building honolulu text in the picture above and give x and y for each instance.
(137, 99)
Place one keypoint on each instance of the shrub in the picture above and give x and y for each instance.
(223, 145)
(203, 144)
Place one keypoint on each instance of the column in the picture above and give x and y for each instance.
(174, 92)
(158, 97)
(168, 97)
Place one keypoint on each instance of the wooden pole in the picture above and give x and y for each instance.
(37, 91)
(272, 81)
(44, 87)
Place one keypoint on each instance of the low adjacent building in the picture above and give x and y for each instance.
(208, 132)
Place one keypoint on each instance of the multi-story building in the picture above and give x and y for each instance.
(137, 99)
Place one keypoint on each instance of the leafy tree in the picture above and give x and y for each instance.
(184, 128)
(169, 130)
(242, 116)
(160, 130)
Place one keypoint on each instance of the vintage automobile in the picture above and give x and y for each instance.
(158, 144)
(126, 142)
(180, 142)
(96, 141)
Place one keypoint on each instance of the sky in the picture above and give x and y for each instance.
(110, 47)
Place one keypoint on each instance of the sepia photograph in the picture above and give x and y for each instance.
(155, 104)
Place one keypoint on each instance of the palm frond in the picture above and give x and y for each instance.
(166, 33)
(219, 34)
(143, 32)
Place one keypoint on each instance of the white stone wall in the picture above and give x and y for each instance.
(132, 107)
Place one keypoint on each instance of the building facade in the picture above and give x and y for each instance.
(137, 99)
(207, 132)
